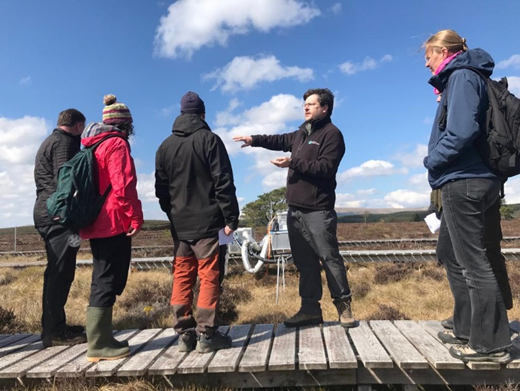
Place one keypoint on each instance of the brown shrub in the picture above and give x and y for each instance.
(6, 279)
(359, 289)
(435, 273)
(9, 324)
(388, 273)
(386, 312)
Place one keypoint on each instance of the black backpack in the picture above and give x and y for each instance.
(500, 146)
(76, 203)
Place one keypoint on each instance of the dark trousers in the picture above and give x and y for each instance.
(111, 258)
(196, 258)
(492, 239)
(470, 213)
(312, 236)
(61, 246)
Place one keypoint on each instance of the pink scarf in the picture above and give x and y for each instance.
(442, 66)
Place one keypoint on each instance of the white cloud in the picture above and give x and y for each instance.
(371, 168)
(367, 191)
(21, 139)
(511, 62)
(351, 68)
(244, 73)
(407, 198)
(191, 24)
(271, 117)
(336, 8)
(25, 80)
(347, 200)
(414, 159)
(514, 85)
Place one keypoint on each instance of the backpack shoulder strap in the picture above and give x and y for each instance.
(96, 144)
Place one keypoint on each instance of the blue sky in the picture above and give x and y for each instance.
(250, 61)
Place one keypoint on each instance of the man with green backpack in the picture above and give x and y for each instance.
(61, 242)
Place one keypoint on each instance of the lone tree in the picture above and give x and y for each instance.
(506, 210)
(258, 213)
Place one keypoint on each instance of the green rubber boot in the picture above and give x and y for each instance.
(100, 338)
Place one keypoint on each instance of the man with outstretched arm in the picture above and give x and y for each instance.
(317, 148)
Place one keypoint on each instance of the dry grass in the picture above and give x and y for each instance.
(380, 291)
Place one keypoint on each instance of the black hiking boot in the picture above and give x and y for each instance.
(65, 338)
(211, 344)
(466, 354)
(301, 319)
(448, 337)
(447, 323)
(187, 341)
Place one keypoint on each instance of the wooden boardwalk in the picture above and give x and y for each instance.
(378, 352)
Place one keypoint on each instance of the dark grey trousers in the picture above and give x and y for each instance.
(61, 246)
(312, 235)
(470, 209)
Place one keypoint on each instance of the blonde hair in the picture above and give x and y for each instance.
(448, 39)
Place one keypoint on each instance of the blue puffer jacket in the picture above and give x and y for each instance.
(452, 151)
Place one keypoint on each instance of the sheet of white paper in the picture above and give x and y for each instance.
(223, 238)
(432, 222)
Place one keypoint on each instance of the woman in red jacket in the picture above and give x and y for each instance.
(111, 234)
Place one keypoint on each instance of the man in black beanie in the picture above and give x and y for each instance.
(195, 187)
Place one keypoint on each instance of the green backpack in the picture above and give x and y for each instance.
(76, 203)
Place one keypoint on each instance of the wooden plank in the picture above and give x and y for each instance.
(311, 352)
(17, 344)
(339, 351)
(22, 353)
(195, 362)
(109, 367)
(48, 368)
(401, 350)
(9, 339)
(429, 347)
(20, 368)
(283, 352)
(257, 350)
(168, 361)
(226, 360)
(139, 363)
(434, 326)
(369, 349)
(79, 365)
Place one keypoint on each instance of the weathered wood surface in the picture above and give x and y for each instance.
(257, 352)
(283, 355)
(339, 351)
(311, 353)
(401, 350)
(377, 352)
(368, 347)
(79, 365)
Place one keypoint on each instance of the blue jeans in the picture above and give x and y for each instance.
(470, 208)
(312, 235)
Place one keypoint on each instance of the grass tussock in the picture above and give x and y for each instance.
(386, 312)
(392, 272)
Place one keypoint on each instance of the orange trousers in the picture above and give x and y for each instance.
(195, 258)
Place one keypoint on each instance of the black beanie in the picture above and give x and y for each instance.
(191, 103)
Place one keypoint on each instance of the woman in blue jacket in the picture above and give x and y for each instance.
(470, 195)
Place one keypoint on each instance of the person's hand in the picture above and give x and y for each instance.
(132, 231)
(281, 162)
(228, 231)
(248, 140)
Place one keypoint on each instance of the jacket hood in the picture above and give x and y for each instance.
(186, 124)
(96, 131)
(474, 58)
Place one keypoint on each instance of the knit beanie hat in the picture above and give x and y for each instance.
(115, 113)
(191, 103)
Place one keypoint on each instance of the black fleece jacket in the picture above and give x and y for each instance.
(57, 149)
(194, 180)
(315, 158)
